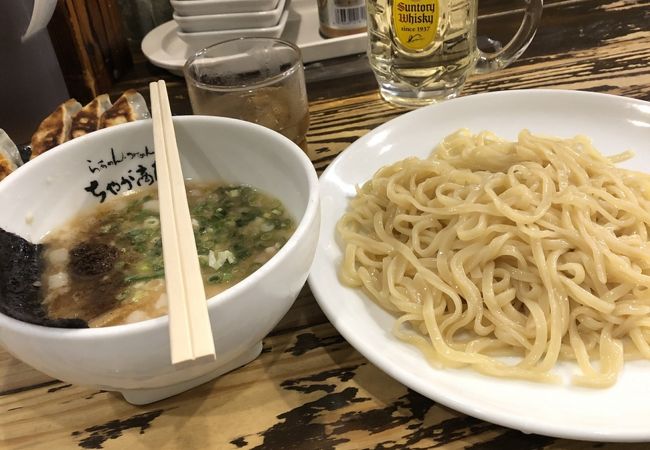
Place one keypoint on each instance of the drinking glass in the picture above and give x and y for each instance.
(260, 80)
(421, 51)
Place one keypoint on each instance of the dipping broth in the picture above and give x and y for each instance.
(106, 267)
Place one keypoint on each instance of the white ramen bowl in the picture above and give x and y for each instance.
(134, 359)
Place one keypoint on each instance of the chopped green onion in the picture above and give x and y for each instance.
(221, 277)
(144, 277)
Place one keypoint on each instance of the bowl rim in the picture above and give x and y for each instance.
(145, 326)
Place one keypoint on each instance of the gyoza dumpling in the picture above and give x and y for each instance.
(10, 158)
(55, 129)
(87, 120)
(129, 107)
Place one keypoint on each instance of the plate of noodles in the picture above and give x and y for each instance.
(493, 253)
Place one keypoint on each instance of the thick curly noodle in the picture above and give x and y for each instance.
(536, 249)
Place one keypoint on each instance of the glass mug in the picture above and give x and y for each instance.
(421, 51)
(260, 80)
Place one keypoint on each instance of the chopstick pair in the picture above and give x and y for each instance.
(190, 332)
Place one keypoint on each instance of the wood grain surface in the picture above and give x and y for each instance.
(310, 389)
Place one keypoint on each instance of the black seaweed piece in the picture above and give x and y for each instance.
(21, 266)
(25, 151)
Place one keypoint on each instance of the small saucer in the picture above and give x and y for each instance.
(204, 7)
(231, 21)
(204, 39)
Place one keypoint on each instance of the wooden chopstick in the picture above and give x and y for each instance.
(190, 332)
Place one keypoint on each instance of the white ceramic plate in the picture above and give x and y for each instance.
(163, 47)
(206, 38)
(202, 7)
(620, 413)
(230, 21)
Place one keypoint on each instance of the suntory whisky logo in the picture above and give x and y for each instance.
(401, 6)
(416, 13)
(415, 22)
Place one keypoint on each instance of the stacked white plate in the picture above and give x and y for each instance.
(205, 22)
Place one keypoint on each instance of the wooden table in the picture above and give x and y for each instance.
(310, 389)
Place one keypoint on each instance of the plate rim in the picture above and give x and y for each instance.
(375, 357)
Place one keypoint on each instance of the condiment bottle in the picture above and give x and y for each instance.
(341, 17)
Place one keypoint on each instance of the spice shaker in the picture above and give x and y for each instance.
(341, 17)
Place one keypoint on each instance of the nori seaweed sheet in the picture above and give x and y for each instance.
(21, 267)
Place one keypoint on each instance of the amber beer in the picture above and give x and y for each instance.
(422, 51)
(282, 107)
(260, 80)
